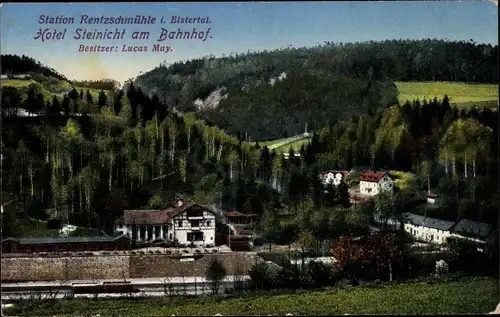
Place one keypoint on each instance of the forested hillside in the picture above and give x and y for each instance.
(87, 158)
(16, 65)
(28, 75)
(279, 110)
(86, 169)
(326, 69)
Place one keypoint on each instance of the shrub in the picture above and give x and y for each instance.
(258, 241)
(321, 274)
(263, 276)
(215, 273)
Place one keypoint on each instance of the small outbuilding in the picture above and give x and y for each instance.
(65, 244)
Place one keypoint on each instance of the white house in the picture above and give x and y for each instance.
(333, 177)
(472, 230)
(431, 198)
(287, 155)
(185, 223)
(193, 223)
(372, 183)
(428, 229)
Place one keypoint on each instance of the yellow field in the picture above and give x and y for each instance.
(460, 94)
(63, 85)
(18, 83)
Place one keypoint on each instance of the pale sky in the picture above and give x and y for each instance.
(236, 27)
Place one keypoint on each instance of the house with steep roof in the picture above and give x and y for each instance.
(371, 183)
(238, 218)
(472, 230)
(185, 223)
(333, 177)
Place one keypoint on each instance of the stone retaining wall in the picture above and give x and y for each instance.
(118, 267)
(64, 268)
(165, 266)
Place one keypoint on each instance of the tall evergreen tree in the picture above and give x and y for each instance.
(102, 99)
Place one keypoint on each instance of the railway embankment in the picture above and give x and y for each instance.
(99, 267)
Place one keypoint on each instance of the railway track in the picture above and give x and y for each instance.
(12, 292)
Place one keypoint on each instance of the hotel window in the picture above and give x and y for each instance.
(195, 236)
(209, 223)
(195, 223)
(179, 224)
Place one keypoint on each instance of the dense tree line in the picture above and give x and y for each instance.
(282, 108)
(14, 65)
(405, 60)
(121, 151)
(86, 169)
(308, 91)
(103, 84)
(33, 100)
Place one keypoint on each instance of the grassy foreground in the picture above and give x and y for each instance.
(462, 95)
(468, 295)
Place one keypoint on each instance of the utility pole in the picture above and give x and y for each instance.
(289, 215)
(498, 235)
(229, 236)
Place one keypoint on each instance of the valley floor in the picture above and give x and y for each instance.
(472, 295)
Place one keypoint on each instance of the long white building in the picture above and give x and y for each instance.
(433, 230)
(428, 229)
(184, 223)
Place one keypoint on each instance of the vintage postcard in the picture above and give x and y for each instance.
(248, 149)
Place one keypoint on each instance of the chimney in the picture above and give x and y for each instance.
(179, 203)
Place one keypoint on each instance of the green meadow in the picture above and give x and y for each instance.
(475, 295)
(463, 95)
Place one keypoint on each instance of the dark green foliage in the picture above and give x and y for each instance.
(290, 103)
(402, 60)
(215, 273)
(84, 169)
(14, 64)
(263, 276)
(315, 84)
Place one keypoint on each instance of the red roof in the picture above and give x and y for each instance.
(371, 176)
(145, 217)
(243, 232)
(235, 214)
